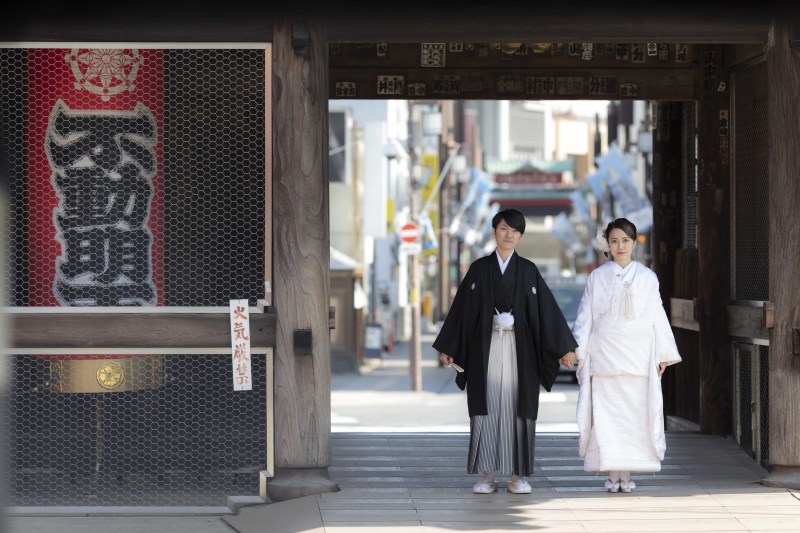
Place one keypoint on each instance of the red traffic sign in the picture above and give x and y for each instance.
(409, 232)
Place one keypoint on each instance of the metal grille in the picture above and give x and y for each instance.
(763, 411)
(136, 176)
(690, 158)
(745, 397)
(751, 277)
(178, 434)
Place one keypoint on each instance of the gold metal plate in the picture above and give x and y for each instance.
(107, 375)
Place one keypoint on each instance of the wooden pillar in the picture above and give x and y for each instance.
(783, 74)
(667, 194)
(713, 243)
(667, 214)
(301, 260)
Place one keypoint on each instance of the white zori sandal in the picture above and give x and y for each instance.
(626, 484)
(518, 486)
(612, 483)
(620, 481)
(486, 485)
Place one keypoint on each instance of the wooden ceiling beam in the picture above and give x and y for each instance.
(565, 27)
(522, 84)
(674, 23)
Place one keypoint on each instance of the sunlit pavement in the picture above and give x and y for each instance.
(380, 398)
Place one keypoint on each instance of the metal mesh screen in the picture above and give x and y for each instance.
(745, 400)
(763, 404)
(178, 434)
(136, 176)
(690, 158)
(751, 184)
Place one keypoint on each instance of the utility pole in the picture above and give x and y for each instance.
(445, 150)
(414, 274)
(415, 351)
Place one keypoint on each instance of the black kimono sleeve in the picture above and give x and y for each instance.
(460, 324)
(556, 337)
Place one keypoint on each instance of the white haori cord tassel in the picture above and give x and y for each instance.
(627, 302)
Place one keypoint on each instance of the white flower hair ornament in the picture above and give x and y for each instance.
(600, 242)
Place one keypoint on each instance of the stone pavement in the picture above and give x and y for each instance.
(416, 483)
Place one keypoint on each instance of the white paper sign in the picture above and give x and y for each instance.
(240, 345)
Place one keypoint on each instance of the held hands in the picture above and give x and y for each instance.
(568, 360)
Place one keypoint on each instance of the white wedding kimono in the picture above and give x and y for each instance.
(623, 334)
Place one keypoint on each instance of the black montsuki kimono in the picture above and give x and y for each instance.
(541, 332)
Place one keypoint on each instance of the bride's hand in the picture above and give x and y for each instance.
(568, 360)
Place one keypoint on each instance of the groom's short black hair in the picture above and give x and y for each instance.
(512, 217)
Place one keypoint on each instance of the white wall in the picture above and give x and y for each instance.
(380, 121)
(527, 130)
(573, 137)
(495, 130)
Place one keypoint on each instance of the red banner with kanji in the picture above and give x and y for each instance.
(95, 182)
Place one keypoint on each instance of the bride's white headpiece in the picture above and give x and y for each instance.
(600, 241)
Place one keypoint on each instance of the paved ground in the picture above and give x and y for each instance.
(416, 483)
(399, 459)
(381, 399)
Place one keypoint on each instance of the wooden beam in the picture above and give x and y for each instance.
(517, 56)
(713, 246)
(682, 314)
(590, 22)
(301, 261)
(667, 236)
(682, 386)
(133, 330)
(538, 22)
(783, 122)
(509, 84)
(746, 321)
(267, 300)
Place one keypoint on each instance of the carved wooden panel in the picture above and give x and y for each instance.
(513, 70)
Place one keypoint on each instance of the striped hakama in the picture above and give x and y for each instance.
(501, 441)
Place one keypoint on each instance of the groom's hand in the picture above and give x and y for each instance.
(568, 360)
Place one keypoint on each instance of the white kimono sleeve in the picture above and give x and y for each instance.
(582, 327)
(665, 346)
(582, 330)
